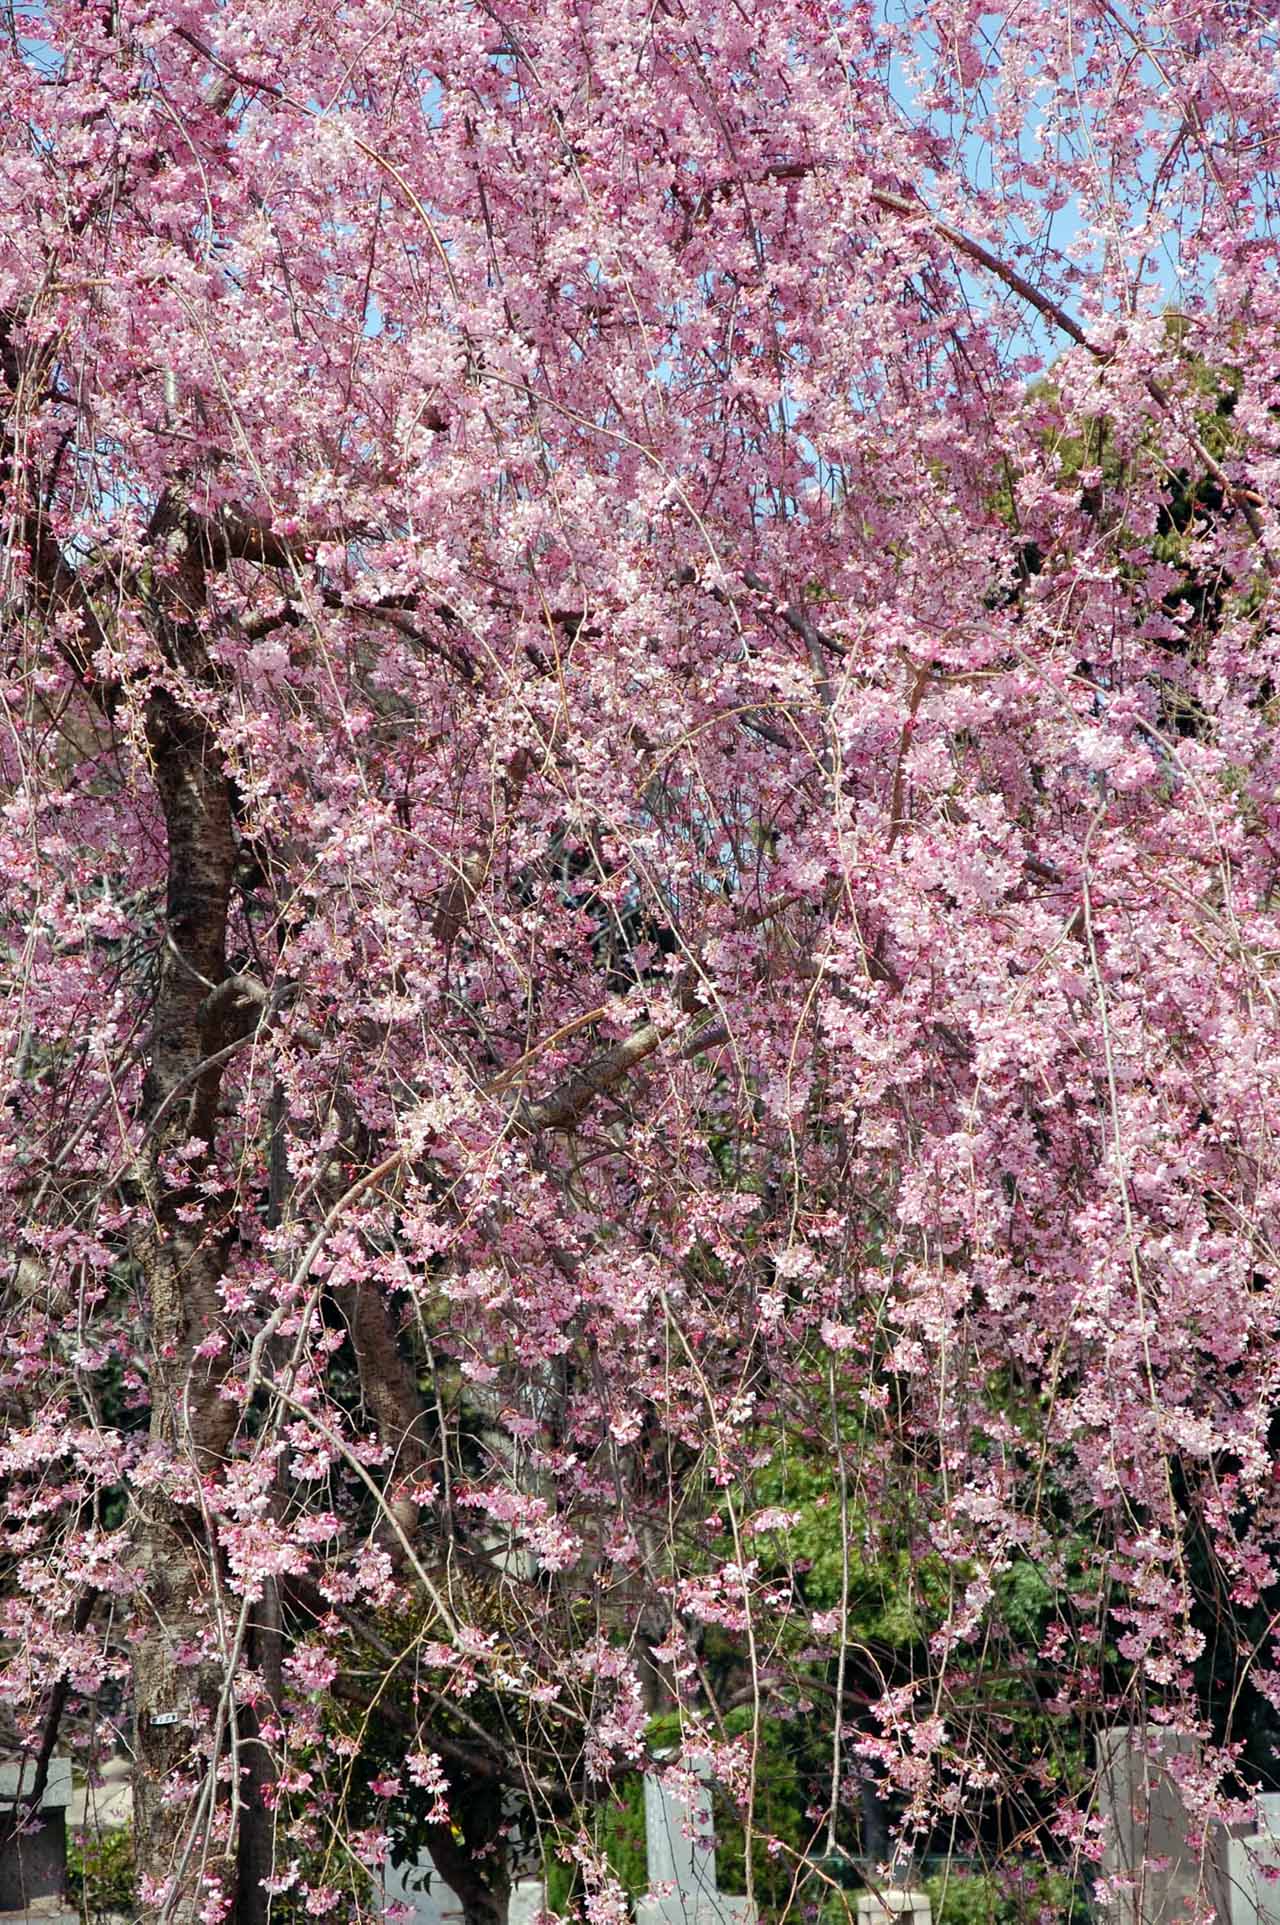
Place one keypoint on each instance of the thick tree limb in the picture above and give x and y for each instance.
(569, 1102)
(390, 1390)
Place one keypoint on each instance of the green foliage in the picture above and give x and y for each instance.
(1020, 1896)
(1090, 457)
(102, 1878)
(1026, 1598)
(101, 1874)
(895, 1596)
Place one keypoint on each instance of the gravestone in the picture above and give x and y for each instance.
(1146, 1831)
(106, 1804)
(432, 1902)
(1252, 1871)
(680, 1854)
(528, 1901)
(420, 1887)
(33, 1865)
(888, 1905)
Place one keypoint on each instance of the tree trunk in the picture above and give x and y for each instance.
(875, 1820)
(179, 1672)
(484, 1898)
(255, 1846)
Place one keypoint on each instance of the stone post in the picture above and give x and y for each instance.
(33, 1864)
(1146, 1839)
(680, 1854)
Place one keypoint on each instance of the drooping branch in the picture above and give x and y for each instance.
(30, 1800)
(893, 202)
(1054, 312)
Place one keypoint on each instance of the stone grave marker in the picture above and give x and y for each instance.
(104, 1805)
(1251, 1873)
(420, 1887)
(528, 1901)
(891, 1905)
(1146, 1839)
(432, 1902)
(33, 1865)
(680, 1854)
